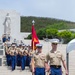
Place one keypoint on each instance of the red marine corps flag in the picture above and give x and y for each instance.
(34, 37)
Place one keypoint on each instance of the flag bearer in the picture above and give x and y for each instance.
(38, 62)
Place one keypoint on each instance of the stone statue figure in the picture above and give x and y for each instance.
(7, 22)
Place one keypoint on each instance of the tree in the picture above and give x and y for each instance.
(41, 33)
(51, 32)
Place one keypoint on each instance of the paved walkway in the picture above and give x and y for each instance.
(4, 70)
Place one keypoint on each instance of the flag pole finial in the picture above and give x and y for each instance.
(33, 22)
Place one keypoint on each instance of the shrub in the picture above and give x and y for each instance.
(29, 36)
(66, 35)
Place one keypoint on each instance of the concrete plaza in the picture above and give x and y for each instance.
(4, 70)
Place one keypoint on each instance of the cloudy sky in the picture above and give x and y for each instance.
(60, 9)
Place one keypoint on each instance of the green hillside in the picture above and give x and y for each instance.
(44, 22)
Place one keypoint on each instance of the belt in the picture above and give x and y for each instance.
(39, 67)
(55, 66)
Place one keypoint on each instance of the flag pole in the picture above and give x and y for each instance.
(33, 45)
(33, 50)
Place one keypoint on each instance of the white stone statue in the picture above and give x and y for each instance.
(7, 27)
